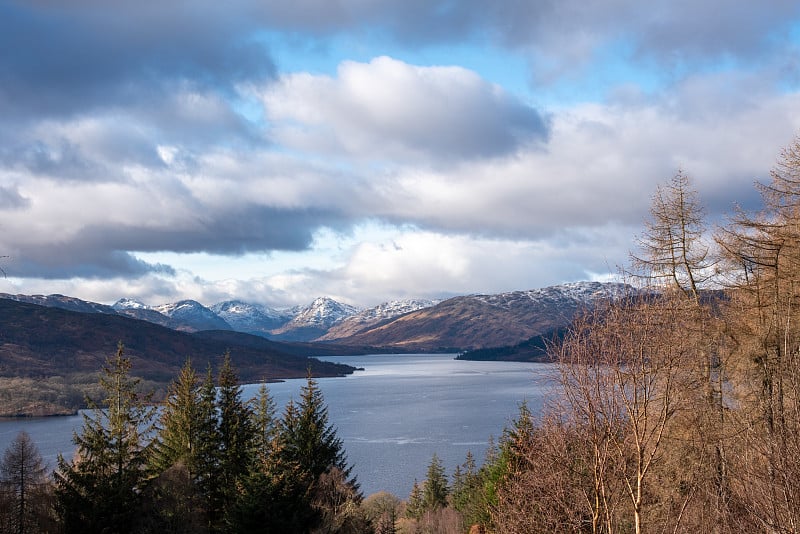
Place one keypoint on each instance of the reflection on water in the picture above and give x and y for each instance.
(392, 416)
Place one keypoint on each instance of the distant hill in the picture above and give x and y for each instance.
(530, 350)
(40, 343)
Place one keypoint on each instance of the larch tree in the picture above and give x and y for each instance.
(676, 260)
(673, 253)
(23, 478)
(100, 490)
(762, 267)
(622, 374)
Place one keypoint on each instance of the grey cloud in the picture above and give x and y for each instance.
(101, 250)
(62, 60)
(10, 199)
(67, 260)
(561, 36)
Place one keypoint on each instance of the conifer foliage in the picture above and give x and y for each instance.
(100, 490)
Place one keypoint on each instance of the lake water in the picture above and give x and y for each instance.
(392, 417)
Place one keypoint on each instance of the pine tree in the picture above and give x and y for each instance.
(468, 492)
(100, 489)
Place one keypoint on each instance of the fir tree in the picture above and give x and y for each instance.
(265, 424)
(415, 508)
(100, 489)
(209, 450)
(306, 447)
(309, 439)
(179, 423)
(435, 490)
(236, 434)
(174, 496)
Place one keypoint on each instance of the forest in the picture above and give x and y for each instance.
(678, 410)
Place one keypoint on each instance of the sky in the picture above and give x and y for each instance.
(370, 150)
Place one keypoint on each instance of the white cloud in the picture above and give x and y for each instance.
(390, 109)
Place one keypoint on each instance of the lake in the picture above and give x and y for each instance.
(392, 417)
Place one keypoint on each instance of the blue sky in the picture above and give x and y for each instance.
(276, 152)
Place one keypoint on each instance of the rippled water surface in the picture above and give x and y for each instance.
(392, 416)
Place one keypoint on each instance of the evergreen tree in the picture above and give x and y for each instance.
(236, 434)
(468, 495)
(174, 496)
(209, 449)
(178, 434)
(264, 416)
(415, 508)
(309, 440)
(306, 447)
(100, 489)
(435, 490)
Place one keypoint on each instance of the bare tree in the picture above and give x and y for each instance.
(622, 369)
(762, 254)
(673, 253)
(23, 476)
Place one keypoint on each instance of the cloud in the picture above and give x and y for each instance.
(132, 128)
(58, 61)
(389, 109)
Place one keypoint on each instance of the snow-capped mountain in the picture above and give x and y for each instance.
(371, 316)
(129, 304)
(471, 321)
(477, 321)
(193, 314)
(576, 292)
(314, 320)
(323, 313)
(251, 318)
(60, 301)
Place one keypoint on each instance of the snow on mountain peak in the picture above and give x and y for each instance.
(323, 312)
(129, 304)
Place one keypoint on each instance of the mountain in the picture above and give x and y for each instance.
(137, 310)
(62, 302)
(193, 316)
(251, 318)
(370, 317)
(481, 321)
(45, 351)
(312, 321)
(461, 323)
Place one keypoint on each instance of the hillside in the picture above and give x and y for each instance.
(44, 344)
(483, 321)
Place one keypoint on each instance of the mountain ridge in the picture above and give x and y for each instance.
(460, 323)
